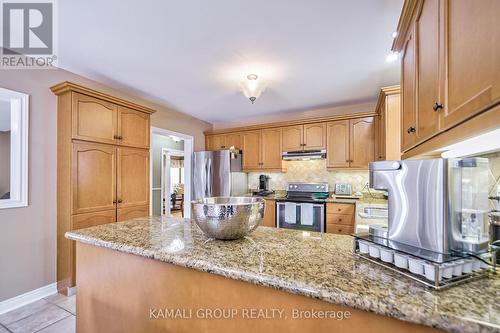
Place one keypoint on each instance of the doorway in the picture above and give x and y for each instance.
(171, 173)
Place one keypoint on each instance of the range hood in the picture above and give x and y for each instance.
(304, 155)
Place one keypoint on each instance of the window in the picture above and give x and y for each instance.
(13, 149)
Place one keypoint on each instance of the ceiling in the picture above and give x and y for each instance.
(192, 55)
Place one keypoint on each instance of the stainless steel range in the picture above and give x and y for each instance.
(304, 207)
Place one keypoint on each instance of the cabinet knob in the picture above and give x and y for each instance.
(437, 106)
(119, 201)
(411, 130)
(114, 201)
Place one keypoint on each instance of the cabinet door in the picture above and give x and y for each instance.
(269, 219)
(337, 134)
(92, 219)
(408, 110)
(271, 148)
(94, 175)
(382, 134)
(124, 214)
(233, 140)
(362, 142)
(93, 119)
(315, 136)
(251, 150)
(133, 177)
(427, 57)
(293, 138)
(472, 57)
(379, 134)
(133, 128)
(209, 142)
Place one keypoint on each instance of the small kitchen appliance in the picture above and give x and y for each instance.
(304, 207)
(263, 186)
(343, 189)
(438, 211)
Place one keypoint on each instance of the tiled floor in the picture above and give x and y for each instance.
(53, 314)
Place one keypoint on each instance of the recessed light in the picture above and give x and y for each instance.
(394, 34)
(391, 57)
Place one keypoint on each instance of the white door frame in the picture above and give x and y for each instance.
(188, 167)
(165, 183)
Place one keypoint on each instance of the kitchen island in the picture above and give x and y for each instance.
(163, 274)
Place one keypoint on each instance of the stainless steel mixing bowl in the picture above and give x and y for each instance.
(228, 217)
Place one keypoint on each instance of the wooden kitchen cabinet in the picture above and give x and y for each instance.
(132, 177)
(133, 128)
(338, 144)
(351, 143)
(103, 165)
(293, 138)
(93, 119)
(124, 214)
(233, 140)
(388, 124)
(361, 142)
(251, 150)
(450, 73)
(262, 150)
(224, 141)
(93, 177)
(340, 218)
(304, 137)
(269, 219)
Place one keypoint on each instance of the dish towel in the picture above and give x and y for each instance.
(290, 213)
(306, 214)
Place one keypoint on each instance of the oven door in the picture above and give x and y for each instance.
(318, 220)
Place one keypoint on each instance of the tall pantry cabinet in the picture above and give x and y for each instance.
(102, 166)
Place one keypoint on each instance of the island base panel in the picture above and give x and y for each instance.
(120, 292)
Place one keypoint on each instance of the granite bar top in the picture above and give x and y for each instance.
(315, 265)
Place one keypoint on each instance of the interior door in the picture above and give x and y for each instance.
(427, 57)
(362, 142)
(93, 119)
(293, 138)
(408, 101)
(94, 176)
(472, 57)
(271, 148)
(337, 133)
(133, 177)
(133, 128)
(315, 136)
(251, 150)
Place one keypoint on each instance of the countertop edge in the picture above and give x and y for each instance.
(357, 301)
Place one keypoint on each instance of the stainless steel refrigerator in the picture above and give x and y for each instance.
(218, 174)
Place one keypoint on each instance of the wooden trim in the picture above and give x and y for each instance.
(404, 24)
(292, 123)
(116, 291)
(484, 122)
(384, 92)
(65, 86)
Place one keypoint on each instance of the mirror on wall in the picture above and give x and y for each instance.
(13, 148)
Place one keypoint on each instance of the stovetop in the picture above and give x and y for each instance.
(307, 192)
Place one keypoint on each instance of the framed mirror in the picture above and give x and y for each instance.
(14, 124)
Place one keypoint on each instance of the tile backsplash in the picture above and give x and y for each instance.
(312, 171)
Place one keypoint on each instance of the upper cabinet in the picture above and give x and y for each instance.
(388, 124)
(262, 150)
(351, 143)
(224, 141)
(304, 137)
(101, 121)
(449, 69)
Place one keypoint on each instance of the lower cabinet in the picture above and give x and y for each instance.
(81, 221)
(340, 218)
(124, 214)
(269, 219)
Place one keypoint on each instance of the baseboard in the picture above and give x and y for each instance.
(26, 298)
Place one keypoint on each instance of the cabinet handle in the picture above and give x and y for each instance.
(119, 201)
(115, 137)
(437, 106)
(347, 161)
(411, 130)
(114, 201)
(223, 146)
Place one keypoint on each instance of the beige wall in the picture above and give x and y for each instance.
(28, 235)
(4, 162)
(298, 115)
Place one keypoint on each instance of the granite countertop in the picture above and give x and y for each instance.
(310, 264)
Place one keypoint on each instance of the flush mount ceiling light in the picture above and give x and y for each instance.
(252, 87)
